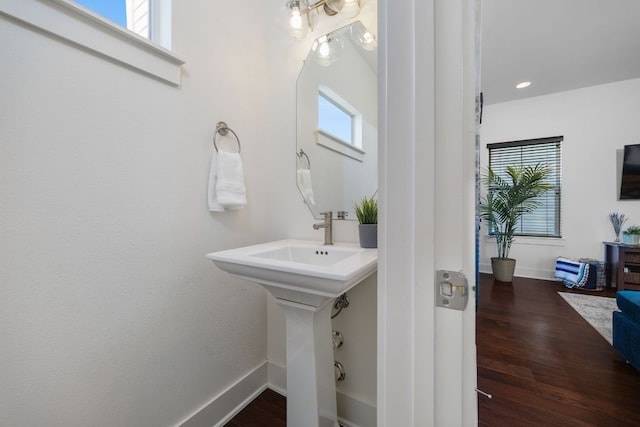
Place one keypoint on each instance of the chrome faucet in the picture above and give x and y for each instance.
(327, 224)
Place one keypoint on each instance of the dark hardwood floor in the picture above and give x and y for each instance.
(269, 409)
(543, 364)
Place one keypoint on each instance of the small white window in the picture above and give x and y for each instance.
(334, 119)
(339, 124)
(115, 10)
(146, 18)
(130, 14)
(98, 27)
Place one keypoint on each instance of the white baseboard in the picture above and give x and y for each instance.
(531, 273)
(277, 378)
(227, 404)
(352, 411)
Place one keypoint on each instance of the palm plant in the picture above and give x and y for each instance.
(509, 198)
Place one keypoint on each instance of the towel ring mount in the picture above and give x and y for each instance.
(223, 129)
(303, 154)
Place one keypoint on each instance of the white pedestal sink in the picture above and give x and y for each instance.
(305, 277)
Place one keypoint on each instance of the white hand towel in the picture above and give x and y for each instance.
(214, 206)
(304, 183)
(226, 182)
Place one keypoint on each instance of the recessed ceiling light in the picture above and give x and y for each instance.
(522, 85)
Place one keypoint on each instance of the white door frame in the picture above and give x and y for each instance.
(427, 92)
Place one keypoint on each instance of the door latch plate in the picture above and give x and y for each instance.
(452, 290)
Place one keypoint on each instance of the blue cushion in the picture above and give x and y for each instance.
(626, 338)
(629, 303)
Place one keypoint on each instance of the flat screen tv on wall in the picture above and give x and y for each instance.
(630, 180)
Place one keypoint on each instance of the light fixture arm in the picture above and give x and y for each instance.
(330, 8)
(327, 9)
(322, 3)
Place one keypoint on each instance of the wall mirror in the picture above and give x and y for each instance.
(337, 129)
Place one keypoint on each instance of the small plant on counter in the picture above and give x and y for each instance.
(633, 230)
(367, 211)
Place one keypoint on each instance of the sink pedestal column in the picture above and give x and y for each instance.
(311, 388)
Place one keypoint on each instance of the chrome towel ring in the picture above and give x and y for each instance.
(303, 154)
(223, 129)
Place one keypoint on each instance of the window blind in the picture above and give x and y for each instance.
(544, 221)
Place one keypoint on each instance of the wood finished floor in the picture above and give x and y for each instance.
(543, 364)
(269, 409)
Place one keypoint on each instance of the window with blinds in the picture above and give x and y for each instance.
(544, 221)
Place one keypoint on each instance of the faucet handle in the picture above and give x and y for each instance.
(327, 215)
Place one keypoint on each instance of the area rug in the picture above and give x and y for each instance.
(595, 310)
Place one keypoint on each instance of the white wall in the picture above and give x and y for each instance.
(595, 122)
(110, 313)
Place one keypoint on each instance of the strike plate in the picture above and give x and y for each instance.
(452, 290)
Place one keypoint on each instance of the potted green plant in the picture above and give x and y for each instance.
(631, 236)
(506, 201)
(367, 213)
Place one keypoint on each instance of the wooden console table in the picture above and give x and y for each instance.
(622, 266)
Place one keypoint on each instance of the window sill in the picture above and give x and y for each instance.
(535, 241)
(338, 145)
(79, 26)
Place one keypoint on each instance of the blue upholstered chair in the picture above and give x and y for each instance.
(626, 327)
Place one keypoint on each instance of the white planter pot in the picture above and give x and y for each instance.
(503, 269)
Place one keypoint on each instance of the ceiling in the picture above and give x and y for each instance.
(558, 45)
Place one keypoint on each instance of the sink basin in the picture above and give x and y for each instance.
(299, 270)
(302, 254)
(305, 277)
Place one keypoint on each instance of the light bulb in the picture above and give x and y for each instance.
(327, 49)
(362, 37)
(368, 41)
(297, 28)
(296, 19)
(351, 9)
(323, 49)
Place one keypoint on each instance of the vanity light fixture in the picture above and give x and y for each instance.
(301, 16)
(522, 85)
